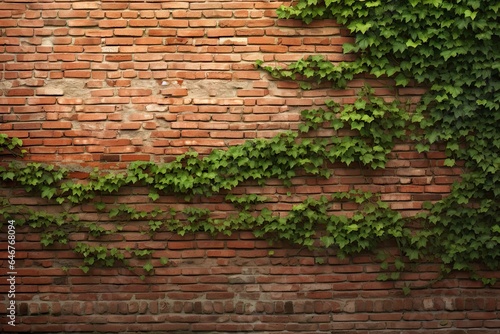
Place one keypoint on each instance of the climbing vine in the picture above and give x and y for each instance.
(446, 46)
(375, 123)
(450, 47)
(11, 145)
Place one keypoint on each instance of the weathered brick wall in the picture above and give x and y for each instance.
(103, 83)
(233, 284)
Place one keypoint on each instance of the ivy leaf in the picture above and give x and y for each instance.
(401, 80)
(48, 192)
(383, 277)
(413, 44)
(471, 14)
(114, 212)
(449, 162)
(400, 265)
(16, 142)
(360, 27)
(360, 104)
(8, 175)
(367, 118)
(350, 48)
(154, 196)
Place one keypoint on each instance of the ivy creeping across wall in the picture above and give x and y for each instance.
(377, 124)
(447, 46)
(451, 48)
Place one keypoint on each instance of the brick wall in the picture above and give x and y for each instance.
(233, 284)
(102, 83)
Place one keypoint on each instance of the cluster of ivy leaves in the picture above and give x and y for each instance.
(11, 145)
(451, 47)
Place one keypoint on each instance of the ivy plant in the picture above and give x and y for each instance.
(11, 145)
(450, 48)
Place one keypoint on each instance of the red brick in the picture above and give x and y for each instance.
(174, 23)
(41, 100)
(23, 32)
(56, 125)
(252, 92)
(148, 57)
(31, 23)
(9, 41)
(119, 41)
(91, 117)
(77, 74)
(118, 57)
(85, 5)
(128, 32)
(220, 32)
(134, 92)
(174, 92)
(194, 133)
(143, 23)
(262, 40)
(411, 189)
(189, 33)
(87, 41)
(241, 244)
(70, 101)
(82, 23)
(113, 23)
(20, 92)
(72, 14)
(148, 41)
(57, 142)
(91, 57)
(202, 23)
(8, 22)
(50, 91)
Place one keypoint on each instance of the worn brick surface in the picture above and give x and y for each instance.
(235, 282)
(104, 83)
(98, 57)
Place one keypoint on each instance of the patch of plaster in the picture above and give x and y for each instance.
(73, 88)
(5, 85)
(215, 88)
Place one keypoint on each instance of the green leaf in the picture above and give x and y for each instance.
(360, 27)
(148, 267)
(114, 212)
(401, 80)
(100, 206)
(48, 192)
(449, 162)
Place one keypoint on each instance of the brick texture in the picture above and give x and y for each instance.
(95, 65)
(102, 83)
(234, 284)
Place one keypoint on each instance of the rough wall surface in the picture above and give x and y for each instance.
(120, 81)
(228, 285)
(104, 83)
